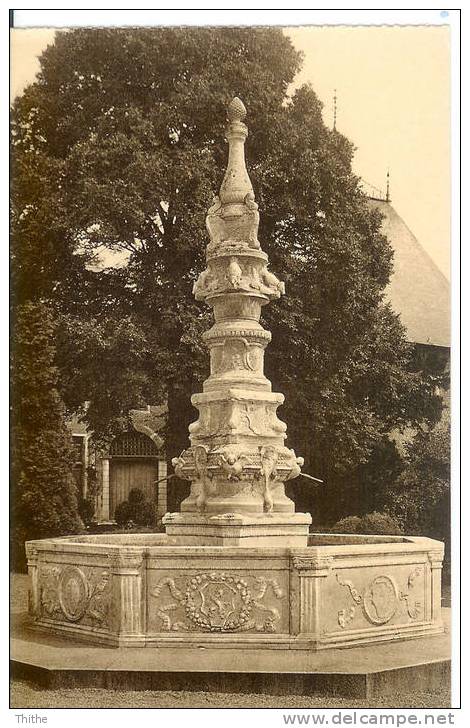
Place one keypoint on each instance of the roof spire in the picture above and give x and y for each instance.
(387, 194)
(334, 110)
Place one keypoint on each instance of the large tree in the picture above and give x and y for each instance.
(118, 148)
(420, 497)
(44, 493)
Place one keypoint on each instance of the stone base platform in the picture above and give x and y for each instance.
(361, 672)
(146, 590)
(238, 529)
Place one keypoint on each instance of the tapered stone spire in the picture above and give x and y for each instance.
(236, 184)
(237, 462)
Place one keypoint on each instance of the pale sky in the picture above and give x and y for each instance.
(393, 89)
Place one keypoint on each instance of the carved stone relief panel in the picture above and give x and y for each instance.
(235, 354)
(239, 228)
(217, 601)
(237, 273)
(230, 417)
(75, 594)
(375, 596)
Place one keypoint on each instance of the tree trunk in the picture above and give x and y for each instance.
(180, 414)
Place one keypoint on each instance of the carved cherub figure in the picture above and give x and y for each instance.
(269, 458)
(234, 273)
(216, 206)
(253, 208)
(201, 282)
(297, 466)
(178, 464)
(215, 223)
(206, 283)
(253, 279)
(200, 465)
(232, 464)
(272, 283)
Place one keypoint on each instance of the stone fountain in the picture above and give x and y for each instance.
(237, 462)
(237, 567)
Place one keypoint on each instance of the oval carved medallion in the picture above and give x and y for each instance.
(73, 593)
(380, 600)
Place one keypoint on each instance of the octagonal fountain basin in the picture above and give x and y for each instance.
(145, 590)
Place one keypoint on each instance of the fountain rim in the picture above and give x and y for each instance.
(153, 544)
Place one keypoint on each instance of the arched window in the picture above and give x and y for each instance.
(133, 444)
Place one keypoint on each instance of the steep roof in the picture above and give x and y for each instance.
(418, 291)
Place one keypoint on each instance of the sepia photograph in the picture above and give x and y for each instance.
(230, 363)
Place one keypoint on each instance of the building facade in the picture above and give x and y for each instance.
(134, 459)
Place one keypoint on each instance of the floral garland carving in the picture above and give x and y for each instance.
(219, 602)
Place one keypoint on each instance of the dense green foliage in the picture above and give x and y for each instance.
(372, 523)
(86, 509)
(44, 498)
(419, 499)
(118, 149)
(135, 510)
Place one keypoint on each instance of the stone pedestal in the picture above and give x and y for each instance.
(237, 529)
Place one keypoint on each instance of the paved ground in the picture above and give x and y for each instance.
(19, 584)
(27, 695)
